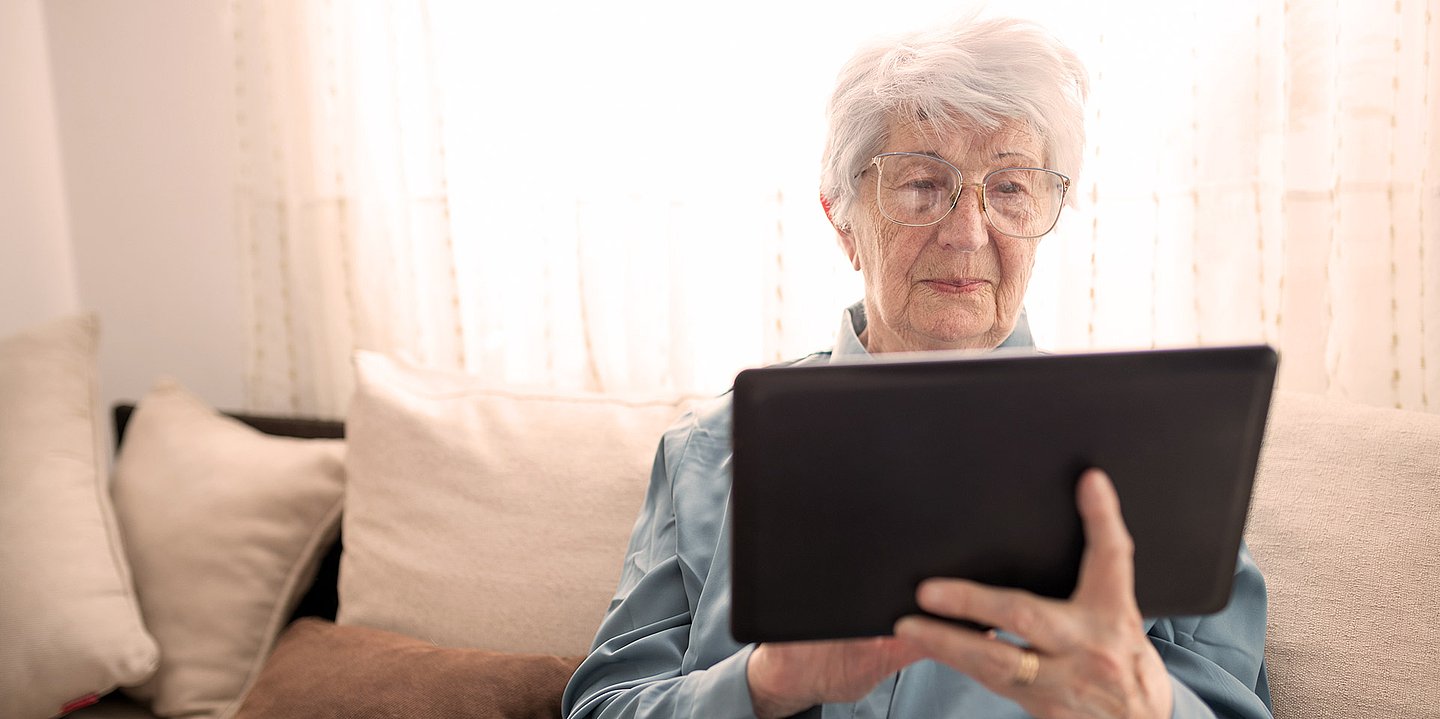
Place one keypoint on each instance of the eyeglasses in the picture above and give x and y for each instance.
(918, 190)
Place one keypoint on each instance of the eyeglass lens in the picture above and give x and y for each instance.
(919, 190)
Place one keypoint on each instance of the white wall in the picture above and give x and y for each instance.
(37, 271)
(144, 96)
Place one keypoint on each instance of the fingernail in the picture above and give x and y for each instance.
(1094, 478)
(928, 595)
(906, 625)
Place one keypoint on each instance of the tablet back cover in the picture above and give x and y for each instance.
(852, 483)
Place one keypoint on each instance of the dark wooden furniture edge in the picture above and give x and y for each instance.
(301, 427)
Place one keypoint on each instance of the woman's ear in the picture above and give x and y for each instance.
(843, 235)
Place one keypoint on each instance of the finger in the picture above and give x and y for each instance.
(992, 662)
(1044, 623)
(1107, 567)
(892, 652)
(898, 653)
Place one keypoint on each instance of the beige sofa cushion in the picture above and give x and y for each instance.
(70, 626)
(1345, 525)
(488, 518)
(224, 527)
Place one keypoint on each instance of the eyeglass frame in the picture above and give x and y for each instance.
(960, 190)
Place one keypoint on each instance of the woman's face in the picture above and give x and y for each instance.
(957, 284)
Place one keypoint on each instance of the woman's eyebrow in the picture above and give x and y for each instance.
(1012, 153)
(1001, 155)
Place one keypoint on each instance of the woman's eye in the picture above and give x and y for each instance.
(923, 183)
(1008, 188)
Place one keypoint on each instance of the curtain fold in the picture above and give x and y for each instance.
(622, 199)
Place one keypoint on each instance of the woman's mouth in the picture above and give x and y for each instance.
(956, 287)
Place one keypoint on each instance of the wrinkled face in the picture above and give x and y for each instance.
(957, 284)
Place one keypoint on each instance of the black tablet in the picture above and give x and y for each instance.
(854, 482)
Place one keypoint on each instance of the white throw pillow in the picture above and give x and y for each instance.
(487, 518)
(224, 527)
(1345, 524)
(70, 627)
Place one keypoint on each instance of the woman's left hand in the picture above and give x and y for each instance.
(1094, 659)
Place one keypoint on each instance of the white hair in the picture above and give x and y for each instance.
(977, 72)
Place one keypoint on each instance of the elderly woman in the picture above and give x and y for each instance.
(949, 156)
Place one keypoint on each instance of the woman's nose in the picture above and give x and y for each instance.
(964, 229)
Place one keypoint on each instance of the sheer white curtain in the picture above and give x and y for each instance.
(621, 198)
(1264, 171)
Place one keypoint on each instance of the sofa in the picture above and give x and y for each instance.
(449, 548)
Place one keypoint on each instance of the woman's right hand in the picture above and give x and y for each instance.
(789, 677)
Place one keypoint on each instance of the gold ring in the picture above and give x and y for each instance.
(1027, 671)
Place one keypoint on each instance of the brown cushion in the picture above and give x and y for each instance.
(323, 670)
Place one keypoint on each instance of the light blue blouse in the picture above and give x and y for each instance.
(664, 648)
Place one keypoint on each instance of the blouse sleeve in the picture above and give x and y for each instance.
(1217, 662)
(634, 666)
